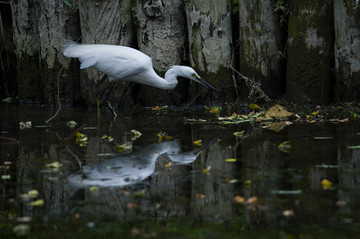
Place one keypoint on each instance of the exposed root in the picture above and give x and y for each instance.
(58, 96)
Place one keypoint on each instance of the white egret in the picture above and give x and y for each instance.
(128, 64)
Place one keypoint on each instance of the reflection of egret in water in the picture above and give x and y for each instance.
(126, 170)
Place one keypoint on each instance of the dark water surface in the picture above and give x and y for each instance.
(171, 189)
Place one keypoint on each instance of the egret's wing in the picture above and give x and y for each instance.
(118, 62)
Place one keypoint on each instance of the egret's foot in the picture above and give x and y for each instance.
(112, 109)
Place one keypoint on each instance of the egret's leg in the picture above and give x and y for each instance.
(110, 88)
(98, 98)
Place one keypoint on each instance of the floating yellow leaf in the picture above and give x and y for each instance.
(163, 136)
(156, 108)
(239, 199)
(326, 184)
(54, 165)
(253, 106)
(239, 134)
(33, 193)
(215, 110)
(168, 165)
(231, 160)
(39, 202)
(81, 138)
(315, 113)
(247, 182)
(124, 147)
(207, 170)
(198, 142)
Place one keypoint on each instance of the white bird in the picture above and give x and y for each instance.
(128, 64)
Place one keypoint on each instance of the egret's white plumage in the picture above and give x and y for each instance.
(126, 63)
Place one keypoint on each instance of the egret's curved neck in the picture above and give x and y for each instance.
(171, 77)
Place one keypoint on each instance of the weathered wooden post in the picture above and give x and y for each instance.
(161, 34)
(310, 51)
(39, 27)
(347, 50)
(104, 22)
(210, 42)
(262, 45)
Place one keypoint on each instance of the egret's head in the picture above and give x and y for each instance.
(190, 73)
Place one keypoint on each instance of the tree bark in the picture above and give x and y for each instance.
(161, 34)
(210, 42)
(347, 45)
(310, 51)
(39, 27)
(104, 22)
(262, 45)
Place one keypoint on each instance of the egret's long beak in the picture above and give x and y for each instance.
(203, 82)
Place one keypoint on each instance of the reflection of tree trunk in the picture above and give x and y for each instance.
(38, 31)
(218, 195)
(104, 22)
(161, 35)
(210, 39)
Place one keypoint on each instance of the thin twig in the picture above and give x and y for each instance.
(254, 86)
(58, 96)
(68, 139)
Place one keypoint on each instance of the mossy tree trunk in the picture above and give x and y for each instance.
(262, 45)
(105, 22)
(210, 42)
(310, 51)
(161, 34)
(39, 27)
(347, 50)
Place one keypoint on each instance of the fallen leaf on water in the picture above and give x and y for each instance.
(239, 134)
(39, 202)
(288, 213)
(285, 146)
(198, 142)
(215, 110)
(247, 182)
(135, 134)
(341, 203)
(200, 196)
(71, 124)
(253, 201)
(124, 147)
(231, 160)
(21, 229)
(163, 136)
(81, 139)
(94, 189)
(168, 165)
(132, 205)
(33, 193)
(207, 170)
(254, 107)
(5, 177)
(24, 219)
(326, 184)
(54, 165)
(277, 112)
(239, 199)
(315, 113)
